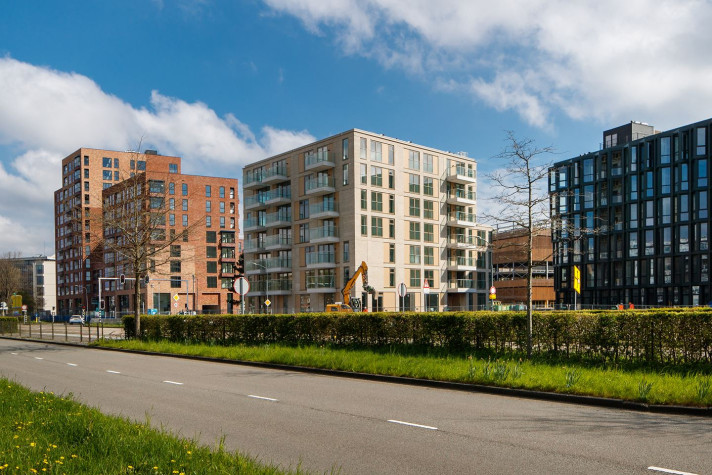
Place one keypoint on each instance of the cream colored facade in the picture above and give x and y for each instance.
(313, 214)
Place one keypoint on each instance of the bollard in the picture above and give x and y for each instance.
(52, 331)
(89, 331)
(81, 333)
(66, 334)
(40, 329)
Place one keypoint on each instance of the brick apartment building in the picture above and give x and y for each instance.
(202, 211)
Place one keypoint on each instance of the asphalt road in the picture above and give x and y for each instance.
(357, 426)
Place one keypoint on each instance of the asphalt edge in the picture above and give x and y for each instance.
(609, 403)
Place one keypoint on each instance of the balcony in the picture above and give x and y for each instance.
(277, 242)
(323, 234)
(274, 174)
(460, 218)
(254, 245)
(278, 219)
(318, 161)
(462, 263)
(321, 284)
(462, 197)
(461, 241)
(319, 186)
(276, 287)
(461, 285)
(255, 201)
(461, 174)
(326, 209)
(321, 260)
(279, 264)
(278, 196)
(253, 224)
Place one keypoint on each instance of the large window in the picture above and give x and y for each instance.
(376, 151)
(413, 183)
(364, 199)
(364, 174)
(415, 278)
(376, 176)
(428, 209)
(413, 160)
(414, 231)
(376, 226)
(428, 161)
(428, 232)
(376, 201)
(345, 149)
(429, 256)
(428, 186)
(364, 225)
(414, 207)
(363, 148)
(414, 254)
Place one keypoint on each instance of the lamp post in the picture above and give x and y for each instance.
(264, 267)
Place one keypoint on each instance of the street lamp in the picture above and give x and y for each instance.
(264, 267)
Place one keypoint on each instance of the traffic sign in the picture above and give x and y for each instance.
(402, 290)
(426, 287)
(493, 291)
(175, 305)
(241, 286)
(24, 307)
(267, 302)
(176, 298)
(577, 280)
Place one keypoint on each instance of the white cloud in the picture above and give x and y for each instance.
(46, 114)
(602, 59)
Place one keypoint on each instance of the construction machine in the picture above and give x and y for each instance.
(345, 306)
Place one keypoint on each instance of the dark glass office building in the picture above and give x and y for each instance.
(634, 217)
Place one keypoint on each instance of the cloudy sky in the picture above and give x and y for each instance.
(223, 83)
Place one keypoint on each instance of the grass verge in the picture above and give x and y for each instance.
(665, 385)
(44, 433)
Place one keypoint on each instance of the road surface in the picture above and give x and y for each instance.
(356, 426)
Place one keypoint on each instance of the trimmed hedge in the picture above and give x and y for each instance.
(8, 324)
(674, 336)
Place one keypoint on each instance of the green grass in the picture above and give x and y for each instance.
(663, 385)
(44, 433)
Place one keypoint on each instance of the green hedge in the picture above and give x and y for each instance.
(8, 324)
(662, 335)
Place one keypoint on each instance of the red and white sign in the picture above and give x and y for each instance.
(426, 287)
(493, 290)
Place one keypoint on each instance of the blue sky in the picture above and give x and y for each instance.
(224, 83)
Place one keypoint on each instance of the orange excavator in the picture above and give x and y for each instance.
(346, 291)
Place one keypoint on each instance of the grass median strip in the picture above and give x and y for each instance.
(661, 385)
(44, 433)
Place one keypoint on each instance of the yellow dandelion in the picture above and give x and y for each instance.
(189, 452)
(61, 458)
(54, 446)
(74, 456)
(32, 444)
(131, 467)
(155, 468)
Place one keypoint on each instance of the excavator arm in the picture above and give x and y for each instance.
(346, 291)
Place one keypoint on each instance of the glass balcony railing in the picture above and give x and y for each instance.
(321, 282)
(314, 258)
(277, 194)
(462, 216)
(463, 195)
(319, 182)
(277, 240)
(254, 222)
(314, 158)
(323, 232)
(461, 284)
(273, 218)
(464, 261)
(324, 207)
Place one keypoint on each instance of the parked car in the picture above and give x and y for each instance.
(76, 319)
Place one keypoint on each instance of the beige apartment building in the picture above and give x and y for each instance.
(314, 214)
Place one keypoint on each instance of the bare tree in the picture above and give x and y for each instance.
(524, 199)
(10, 278)
(134, 227)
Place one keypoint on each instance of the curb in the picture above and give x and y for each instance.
(609, 403)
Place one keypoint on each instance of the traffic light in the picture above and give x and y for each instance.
(122, 279)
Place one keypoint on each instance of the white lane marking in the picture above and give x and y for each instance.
(412, 425)
(173, 382)
(667, 470)
(38, 358)
(14, 354)
(113, 372)
(71, 364)
(261, 397)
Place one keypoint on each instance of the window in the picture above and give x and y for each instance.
(172, 168)
(156, 202)
(428, 186)
(222, 192)
(376, 176)
(175, 250)
(212, 282)
(208, 191)
(702, 172)
(633, 244)
(391, 180)
(428, 209)
(414, 229)
(304, 209)
(345, 149)
(701, 141)
(222, 222)
(346, 257)
(664, 150)
(212, 267)
(415, 278)
(208, 222)
(364, 199)
(175, 266)
(171, 219)
(392, 204)
(106, 162)
(391, 154)
(413, 160)
(391, 253)
(376, 201)
(413, 183)
(116, 176)
(175, 282)
(414, 254)
(211, 252)
(391, 228)
(429, 256)
(304, 232)
(391, 277)
(428, 162)
(211, 236)
(208, 207)
(345, 174)
(222, 206)
(86, 173)
(428, 232)
(184, 205)
(364, 174)
(171, 188)
(414, 207)
(376, 226)
(232, 193)
(116, 163)
(364, 225)
(363, 148)
(141, 165)
(185, 220)
(376, 151)
(133, 164)
(184, 189)
(106, 175)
